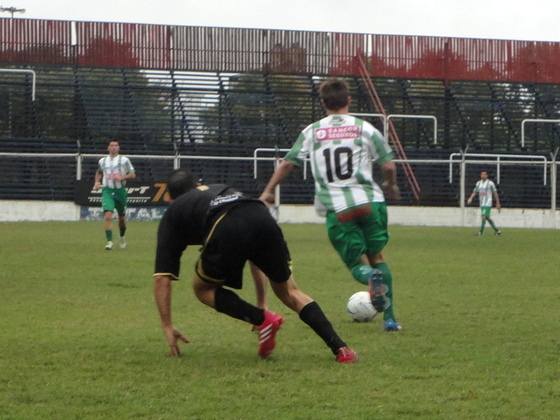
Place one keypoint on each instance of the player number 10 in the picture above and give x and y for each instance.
(341, 154)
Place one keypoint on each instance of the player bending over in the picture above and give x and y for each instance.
(232, 230)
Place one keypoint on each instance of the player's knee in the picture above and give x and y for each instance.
(205, 295)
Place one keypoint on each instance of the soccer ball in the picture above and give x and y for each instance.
(359, 307)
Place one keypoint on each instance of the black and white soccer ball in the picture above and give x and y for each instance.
(360, 308)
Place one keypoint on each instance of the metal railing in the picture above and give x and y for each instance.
(522, 183)
(25, 71)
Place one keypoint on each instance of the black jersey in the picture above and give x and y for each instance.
(187, 221)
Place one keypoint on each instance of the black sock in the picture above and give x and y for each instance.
(314, 316)
(122, 230)
(227, 302)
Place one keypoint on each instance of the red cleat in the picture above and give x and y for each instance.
(346, 355)
(267, 333)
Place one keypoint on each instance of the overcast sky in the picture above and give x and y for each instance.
(534, 20)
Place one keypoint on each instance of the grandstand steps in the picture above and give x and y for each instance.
(156, 112)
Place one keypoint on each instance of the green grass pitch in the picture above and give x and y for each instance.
(80, 336)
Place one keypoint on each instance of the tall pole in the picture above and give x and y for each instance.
(553, 182)
(463, 184)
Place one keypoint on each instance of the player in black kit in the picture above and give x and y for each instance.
(232, 229)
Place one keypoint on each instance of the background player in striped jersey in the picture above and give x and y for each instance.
(341, 149)
(115, 170)
(486, 189)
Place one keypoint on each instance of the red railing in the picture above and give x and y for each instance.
(392, 135)
(29, 41)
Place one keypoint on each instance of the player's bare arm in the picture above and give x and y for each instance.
(497, 198)
(97, 181)
(261, 281)
(162, 295)
(130, 175)
(282, 171)
(390, 186)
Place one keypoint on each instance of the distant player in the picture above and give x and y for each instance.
(115, 170)
(486, 190)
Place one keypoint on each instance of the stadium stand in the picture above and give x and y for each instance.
(199, 115)
(268, 112)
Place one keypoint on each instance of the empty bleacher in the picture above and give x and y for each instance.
(164, 112)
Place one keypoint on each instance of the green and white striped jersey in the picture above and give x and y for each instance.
(341, 149)
(112, 167)
(485, 190)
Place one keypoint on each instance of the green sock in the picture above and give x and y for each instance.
(122, 230)
(109, 235)
(362, 273)
(482, 224)
(492, 224)
(388, 281)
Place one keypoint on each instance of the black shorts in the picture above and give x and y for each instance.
(247, 232)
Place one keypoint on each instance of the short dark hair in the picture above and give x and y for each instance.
(179, 182)
(334, 93)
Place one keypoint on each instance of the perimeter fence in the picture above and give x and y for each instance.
(522, 181)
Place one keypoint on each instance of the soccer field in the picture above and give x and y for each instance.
(80, 336)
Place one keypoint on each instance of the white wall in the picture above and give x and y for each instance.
(12, 211)
(20, 210)
(442, 216)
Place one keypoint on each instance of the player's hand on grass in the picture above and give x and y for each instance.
(173, 336)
